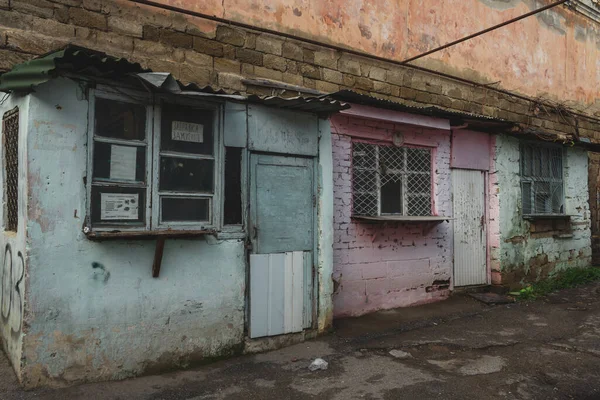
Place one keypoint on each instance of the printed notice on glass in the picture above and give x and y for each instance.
(187, 132)
(122, 162)
(118, 206)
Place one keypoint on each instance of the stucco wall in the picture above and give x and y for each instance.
(94, 310)
(529, 251)
(379, 266)
(14, 258)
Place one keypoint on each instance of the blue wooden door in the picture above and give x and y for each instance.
(282, 217)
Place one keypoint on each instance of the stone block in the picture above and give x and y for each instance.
(275, 62)
(125, 26)
(226, 65)
(267, 73)
(176, 39)
(147, 48)
(9, 59)
(115, 44)
(38, 8)
(326, 58)
(293, 79)
(395, 76)
(269, 44)
(349, 66)
(327, 87)
(308, 56)
(95, 5)
(292, 51)
(382, 87)
(150, 32)
(208, 46)
(200, 59)
(333, 76)
(309, 71)
(198, 75)
(231, 81)
(230, 35)
(28, 42)
(249, 56)
(364, 83)
(88, 19)
(377, 73)
(250, 42)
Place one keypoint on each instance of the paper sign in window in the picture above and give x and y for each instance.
(119, 206)
(187, 132)
(122, 162)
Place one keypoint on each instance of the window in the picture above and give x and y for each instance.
(542, 179)
(389, 180)
(10, 129)
(153, 165)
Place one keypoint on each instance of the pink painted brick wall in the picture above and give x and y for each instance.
(379, 266)
(494, 217)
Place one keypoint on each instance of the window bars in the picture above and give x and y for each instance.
(390, 180)
(10, 128)
(542, 179)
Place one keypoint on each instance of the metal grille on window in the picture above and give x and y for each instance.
(10, 127)
(391, 180)
(542, 179)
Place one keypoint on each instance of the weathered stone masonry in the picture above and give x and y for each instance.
(203, 52)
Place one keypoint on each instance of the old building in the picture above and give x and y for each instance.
(464, 166)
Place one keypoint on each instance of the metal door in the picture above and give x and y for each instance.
(282, 216)
(470, 237)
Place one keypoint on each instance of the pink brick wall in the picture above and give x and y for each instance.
(379, 266)
(494, 217)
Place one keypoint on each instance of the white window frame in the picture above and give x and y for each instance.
(404, 173)
(152, 143)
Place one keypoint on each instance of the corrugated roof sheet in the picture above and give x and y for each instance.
(76, 60)
(70, 59)
(434, 111)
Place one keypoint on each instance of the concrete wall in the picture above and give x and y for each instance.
(94, 311)
(524, 251)
(381, 266)
(13, 274)
(555, 57)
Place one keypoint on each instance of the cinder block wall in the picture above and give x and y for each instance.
(380, 266)
(206, 53)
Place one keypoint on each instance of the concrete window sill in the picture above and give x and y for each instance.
(533, 217)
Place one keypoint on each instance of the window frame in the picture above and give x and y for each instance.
(152, 224)
(404, 174)
(531, 180)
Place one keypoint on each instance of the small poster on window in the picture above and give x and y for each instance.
(118, 206)
(122, 162)
(187, 132)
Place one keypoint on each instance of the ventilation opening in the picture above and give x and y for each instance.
(233, 186)
(10, 129)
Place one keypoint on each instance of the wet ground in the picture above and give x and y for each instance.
(458, 349)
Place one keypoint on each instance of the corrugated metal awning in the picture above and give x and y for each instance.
(456, 117)
(79, 61)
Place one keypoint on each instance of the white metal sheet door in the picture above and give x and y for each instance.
(470, 238)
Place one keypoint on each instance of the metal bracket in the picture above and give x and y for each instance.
(158, 254)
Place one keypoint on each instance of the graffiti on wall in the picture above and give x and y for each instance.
(11, 297)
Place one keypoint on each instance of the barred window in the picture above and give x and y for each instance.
(10, 129)
(542, 179)
(389, 180)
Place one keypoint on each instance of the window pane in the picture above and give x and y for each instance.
(186, 175)
(419, 205)
(126, 163)
(117, 205)
(391, 159)
(233, 186)
(121, 120)
(418, 160)
(556, 161)
(365, 204)
(418, 183)
(180, 209)
(186, 129)
(391, 197)
(364, 155)
(364, 181)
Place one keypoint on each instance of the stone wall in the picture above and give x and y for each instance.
(206, 53)
(381, 266)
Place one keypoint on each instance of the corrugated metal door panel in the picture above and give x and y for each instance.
(277, 295)
(308, 291)
(470, 237)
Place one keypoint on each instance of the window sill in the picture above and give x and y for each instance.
(403, 218)
(101, 235)
(533, 217)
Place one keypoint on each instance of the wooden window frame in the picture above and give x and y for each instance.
(152, 225)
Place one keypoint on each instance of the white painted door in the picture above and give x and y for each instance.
(470, 257)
